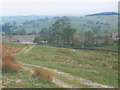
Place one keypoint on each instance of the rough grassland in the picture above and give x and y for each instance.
(15, 45)
(96, 66)
(24, 78)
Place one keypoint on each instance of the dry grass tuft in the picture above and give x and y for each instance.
(9, 63)
(115, 66)
(9, 49)
(43, 57)
(61, 60)
(103, 64)
(44, 74)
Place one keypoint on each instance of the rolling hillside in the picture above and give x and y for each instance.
(103, 13)
(72, 68)
(97, 21)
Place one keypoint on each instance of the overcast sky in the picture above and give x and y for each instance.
(56, 7)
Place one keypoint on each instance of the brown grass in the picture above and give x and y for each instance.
(103, 64)
(9, 49)
(44, 74)
(115, 66)
(9, 62)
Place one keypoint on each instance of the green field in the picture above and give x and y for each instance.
(100, 67)
(107, 47)
(96, 66)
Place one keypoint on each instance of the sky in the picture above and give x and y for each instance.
(56, 7)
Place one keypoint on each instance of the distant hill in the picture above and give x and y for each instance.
(22, 18)
(103, 13)
(103, 23)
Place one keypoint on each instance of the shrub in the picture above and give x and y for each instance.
(9, 63)
(43, 74)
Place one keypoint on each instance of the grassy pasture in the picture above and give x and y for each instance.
(100, 67)
(23, 78)
(112, 48)
(96, 66)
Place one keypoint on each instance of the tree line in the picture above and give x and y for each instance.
(61, 33)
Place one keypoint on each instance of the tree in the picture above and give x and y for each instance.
(43, 34)
(36, 39)
(62, 31)
(89, 37)
(96, 30)
(59, 33)
(68, 34)
(107, 39)
(58, 30)
(106, 31)
(21, 32)
(110, 35)
(8, 29)
(98, 38)
(33, 32)
(51, 35)
(81, 34)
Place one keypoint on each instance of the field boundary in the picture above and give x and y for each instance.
(72, 47)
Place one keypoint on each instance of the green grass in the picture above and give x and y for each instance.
(26, 78)
(113, 48)
(27, 81)
(64, 79)
(86, 64)
(73, 83)
(93, 65)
